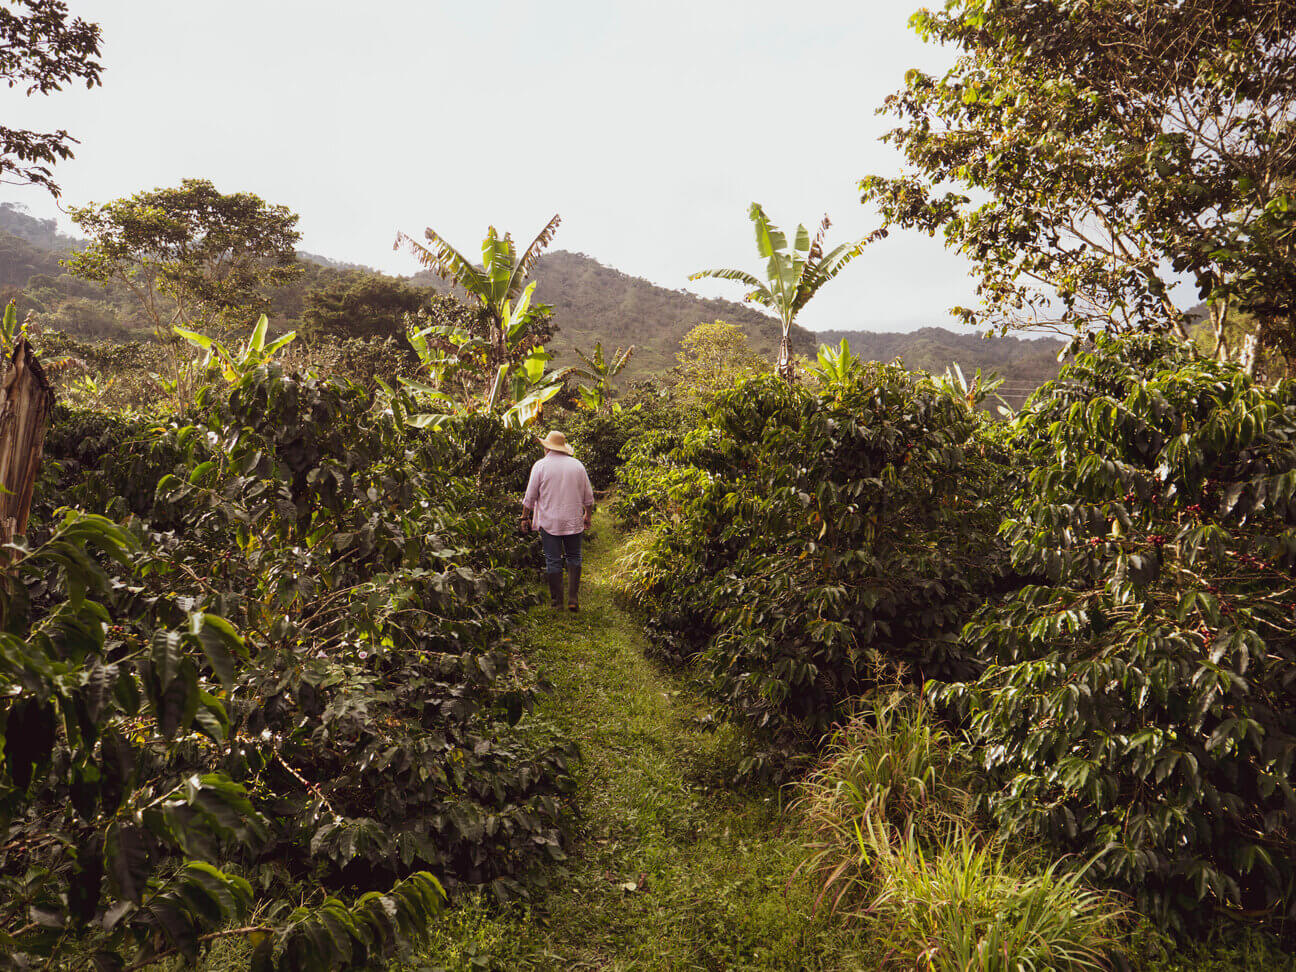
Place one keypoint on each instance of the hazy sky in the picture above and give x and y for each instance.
(650, 126)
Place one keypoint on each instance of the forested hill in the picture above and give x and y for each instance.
(593, 302)
(1023, 363)
(29, 246)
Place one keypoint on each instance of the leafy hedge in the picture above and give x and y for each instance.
(600, 437)
(287, 676)
(831, 536)
(1138, 700)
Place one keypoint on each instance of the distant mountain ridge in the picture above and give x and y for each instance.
(592, 303)
(1023, 363)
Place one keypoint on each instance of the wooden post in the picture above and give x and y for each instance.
(26, 401)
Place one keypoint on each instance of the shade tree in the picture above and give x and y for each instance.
(1091, 158)
(191, 255)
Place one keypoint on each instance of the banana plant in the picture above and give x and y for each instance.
(494, 284)
(601, 371)
(10, 331)
(234, 365)
(526, 387)
(976, 391)
(836, 365)
(456, 353)
(520, 387)
(87, 390)
(793, 275)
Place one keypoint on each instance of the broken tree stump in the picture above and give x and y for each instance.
(26, 401)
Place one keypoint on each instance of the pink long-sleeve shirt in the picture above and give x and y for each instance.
(559, 492)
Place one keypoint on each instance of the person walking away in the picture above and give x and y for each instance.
(559, 502)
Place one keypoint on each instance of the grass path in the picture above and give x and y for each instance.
(671, 869)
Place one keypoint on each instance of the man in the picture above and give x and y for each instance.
(559, 502)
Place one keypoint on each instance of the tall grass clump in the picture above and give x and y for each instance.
(891, 763)
(960, 904)
(894, 849)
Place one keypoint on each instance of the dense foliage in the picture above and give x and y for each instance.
(601, 437)
(364, 305)
(1138, 700)
(287, 676)
(42, 48)
(826, 537)
(1088, 157)
(190, 254)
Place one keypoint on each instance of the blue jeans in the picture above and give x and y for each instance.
(558, 549)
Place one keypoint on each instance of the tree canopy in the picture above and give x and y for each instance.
(712, 357)
(1103, 153)
(44, 48)
(190, 253)
(363, 305)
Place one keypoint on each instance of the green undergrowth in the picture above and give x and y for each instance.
(672, 868)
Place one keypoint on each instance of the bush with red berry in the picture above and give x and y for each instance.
(1137, 702)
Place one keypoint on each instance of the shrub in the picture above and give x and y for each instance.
(829, 528)
(307, 687)
(1138, 699)
(600, 437)
(654, 482)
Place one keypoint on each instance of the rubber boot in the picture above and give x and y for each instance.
(573, 587)
(555, 590)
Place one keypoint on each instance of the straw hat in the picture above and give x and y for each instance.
(556, 442)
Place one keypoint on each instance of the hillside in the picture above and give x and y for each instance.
(593, 302)
(1023, 363)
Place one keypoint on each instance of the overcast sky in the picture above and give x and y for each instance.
(650, 126)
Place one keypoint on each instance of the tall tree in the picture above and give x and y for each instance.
(1103, 153)
(711, 358)
(191, 254)
(792, 275)
(363, 305)
(497, 282)
(44, 48)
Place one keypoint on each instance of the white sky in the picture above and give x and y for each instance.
(650, 126)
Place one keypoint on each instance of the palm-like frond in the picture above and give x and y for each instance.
(620, 360)
(742, 276)
(816, 247)
(759, 293)
(769, 238)
(593, 362)
(822, 271)
(801, 242)
(523, 269)
(498, 266)
(445, 261)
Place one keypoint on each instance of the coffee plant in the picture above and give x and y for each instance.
(833, 536)
(278, 698)
(600, 436)
(1137, 702)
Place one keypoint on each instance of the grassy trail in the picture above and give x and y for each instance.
(671, 869)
